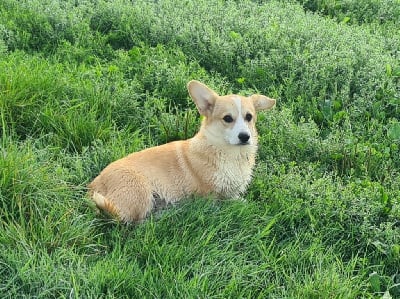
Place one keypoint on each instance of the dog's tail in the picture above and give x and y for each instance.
(105, 204)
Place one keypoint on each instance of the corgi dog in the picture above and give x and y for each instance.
(218, 160)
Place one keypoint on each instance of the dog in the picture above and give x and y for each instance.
(217, 161)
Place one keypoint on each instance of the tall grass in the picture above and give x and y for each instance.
(85, 83)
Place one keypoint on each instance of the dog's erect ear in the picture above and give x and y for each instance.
(262, 102)
(203, 96)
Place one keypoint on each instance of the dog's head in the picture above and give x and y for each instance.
(228, 119)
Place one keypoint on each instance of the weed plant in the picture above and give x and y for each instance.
(83, 83)
(368, 12)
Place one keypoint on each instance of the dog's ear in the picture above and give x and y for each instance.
(262, 102)
(203, 96)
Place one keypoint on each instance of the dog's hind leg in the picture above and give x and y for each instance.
(123, 193)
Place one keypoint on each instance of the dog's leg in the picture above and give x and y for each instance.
(123, 193)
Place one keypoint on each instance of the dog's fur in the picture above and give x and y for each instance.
(218, 160)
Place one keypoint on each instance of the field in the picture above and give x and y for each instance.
(83, 83)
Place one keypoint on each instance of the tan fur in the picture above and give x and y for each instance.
(206, 164)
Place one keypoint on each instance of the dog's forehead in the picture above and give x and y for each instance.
(234, 102)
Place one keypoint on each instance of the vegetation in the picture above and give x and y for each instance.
(83, 83)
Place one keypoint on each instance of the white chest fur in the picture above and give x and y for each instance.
(233, 173)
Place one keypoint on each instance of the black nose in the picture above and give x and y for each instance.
(244, 137)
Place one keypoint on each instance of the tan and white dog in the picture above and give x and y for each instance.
(218, 160)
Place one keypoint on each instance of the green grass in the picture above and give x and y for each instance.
(85, 83)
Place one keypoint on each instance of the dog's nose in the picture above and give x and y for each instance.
(244, 137)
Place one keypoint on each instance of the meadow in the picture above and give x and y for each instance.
(83, 83)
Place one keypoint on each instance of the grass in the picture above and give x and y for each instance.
(83, 84)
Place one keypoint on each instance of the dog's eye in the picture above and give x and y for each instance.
(249, 117)
(228, 119)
